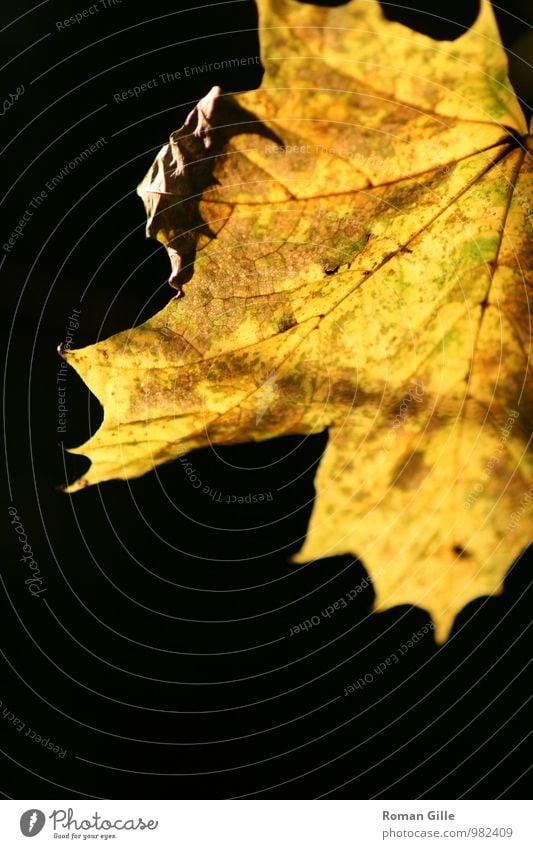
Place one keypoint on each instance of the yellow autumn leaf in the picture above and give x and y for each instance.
(354, 244)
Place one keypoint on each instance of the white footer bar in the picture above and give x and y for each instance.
(268, 824)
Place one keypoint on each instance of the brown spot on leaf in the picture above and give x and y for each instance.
(410, 471)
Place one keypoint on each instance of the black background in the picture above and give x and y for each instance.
(159, 656)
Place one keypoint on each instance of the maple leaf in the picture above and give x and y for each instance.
(354, 245)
